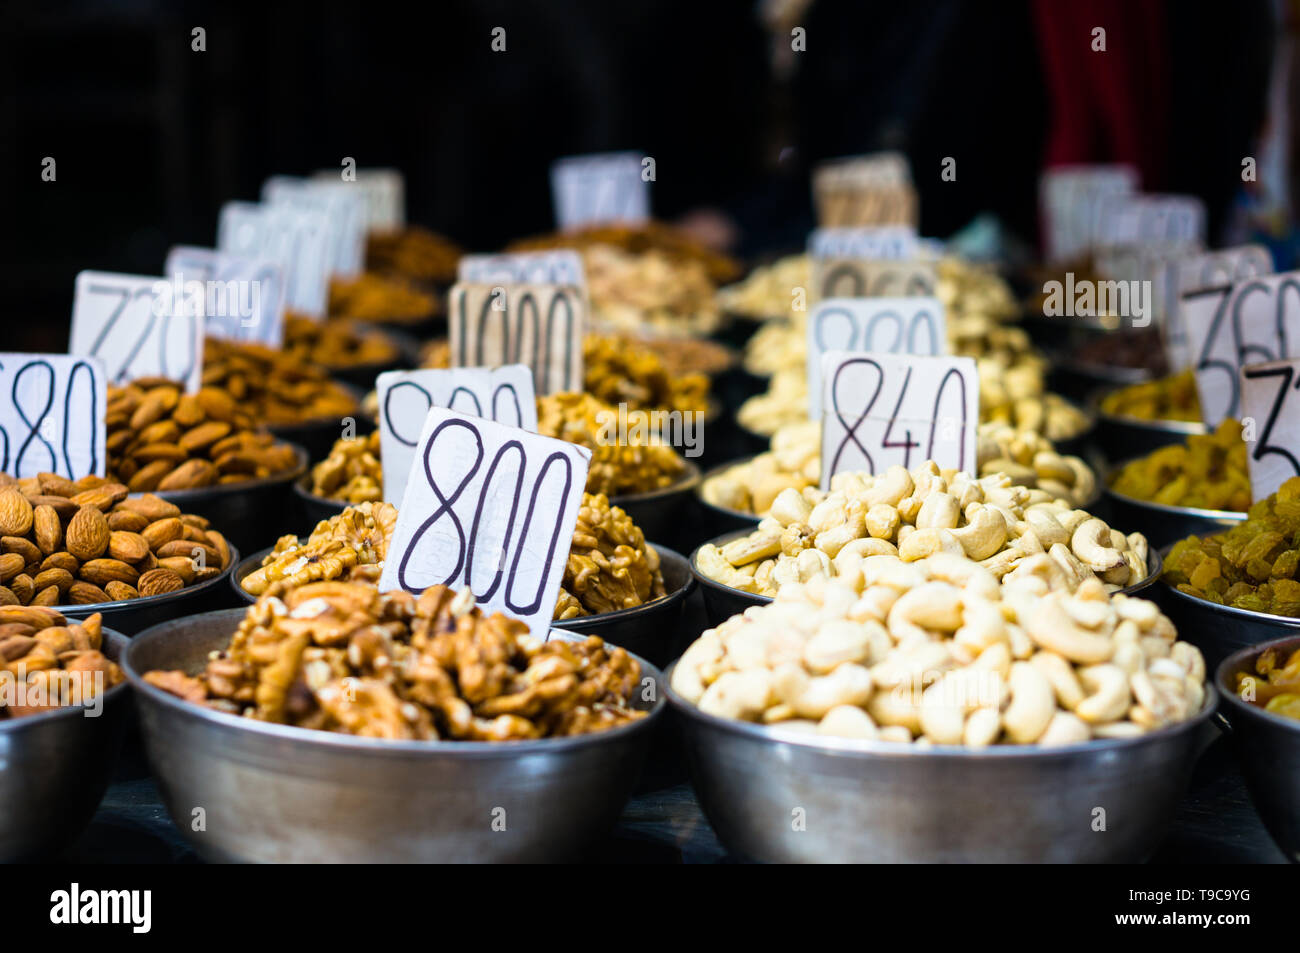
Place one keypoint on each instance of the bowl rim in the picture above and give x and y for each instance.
(120, 644)
(890, 750)
(718, 470)
(1283, 621)
(302, 461)
(381, 747)
(301, 489)
(1233, 663)
(403, 345)
(687, 482)
(1107, 488)
(665, 601)
(79, 611)
(1184, 427)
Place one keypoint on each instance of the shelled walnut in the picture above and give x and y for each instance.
(353, 471)
(350, 546)
(610, 567)
(331, 344)
(273, 387)
(48, 662)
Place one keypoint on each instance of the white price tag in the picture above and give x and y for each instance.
(1270, 397)
(138, 326)
(383, 195)
(891, 242)
(52, 415)
(872, 278)
(875, 168)
(242, 298)
(1068, 198)
(1200, 273)
(874, 326)
(883, 409)
(503, 394)
(297, 241)
(489, 507)
(540, 326)
(865, 190)
(1128, 219)
(561, 267)
(344, 208)
(593, 189)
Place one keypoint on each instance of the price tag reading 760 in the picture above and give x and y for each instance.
(1270, 404)
(491, 508)
(884, 409)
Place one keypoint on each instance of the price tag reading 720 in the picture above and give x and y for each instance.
(884, 409)
(1270, 396)
(491, 508)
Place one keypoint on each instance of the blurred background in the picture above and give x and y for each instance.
(150, 137)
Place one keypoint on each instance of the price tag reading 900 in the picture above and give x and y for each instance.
(883, 409)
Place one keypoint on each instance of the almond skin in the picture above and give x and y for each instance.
(88, 533)
(102, 571)
(128, 547)
(84, 593)
(158, 581)
(16, 513)
(161, 532)
(49, 529)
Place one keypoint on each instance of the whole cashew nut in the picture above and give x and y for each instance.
(1032, 704)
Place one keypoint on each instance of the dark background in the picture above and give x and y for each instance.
(151, 137)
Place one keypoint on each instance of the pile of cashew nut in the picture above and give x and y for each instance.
(937, 652)
(794, 460)
(1012, 531)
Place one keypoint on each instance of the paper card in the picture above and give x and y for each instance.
(138, 326)
(875, 326)
(1251, 322)
(503, 394)
(875, 168)
(848, 204)
(885, 409)
(297, 241)
(1199, 272)
(52, 415)
(1068, 197)
(344, 209)
(872, 278)
(383, 193)
(1270, 405)
(489, 507)
(595, 189)
(540, 326)
(891, 242)
(560, 267)
(1128, 219)
(242, 298)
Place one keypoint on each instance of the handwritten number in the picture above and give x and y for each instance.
(851, 430)
(445, 502)
(1262, 447)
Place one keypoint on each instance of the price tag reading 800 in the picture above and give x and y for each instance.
(52, 415)
(883, 409)
(874, 325)
(503, 394)
(489, 507)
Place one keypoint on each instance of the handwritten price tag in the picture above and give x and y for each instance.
(865, 190)
(138, 327)
(540, 326)
(1270, 396)
(242, 299)
(872, 278)
(563, 267)
(1133, 218)
(52, 415)
(891, 242)
(608, 187)
(383, 195)
(295, 240)
(502, 394)
(1203, 272)
(343, 207)
(882, 409)
(1251, 322)
(489, 507)
(1068, 197)
(871, 325)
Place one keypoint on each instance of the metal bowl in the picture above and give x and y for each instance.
(1123, 438)
(55, 768)
(246, 513)
(315, 508)
(1268, 748)
(721, 519)
(1078, 379)
(721, 602)
(653, 630)
(658, 513)
(281, 794)
(1162, 524)
(318, 436)
(129, 616)
(787, 797)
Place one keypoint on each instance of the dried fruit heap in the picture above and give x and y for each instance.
(83, 542)
(274, 387)
(1209, 471)
(353, 471)
(58, 663)
(1272, 686)
(334, 343)
(342, 657)
(375, 297)
(350, 546)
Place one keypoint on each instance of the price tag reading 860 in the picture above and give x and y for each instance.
(489, 507)
(874, 325)
(884, 409)
(504, 394)
(52, 415)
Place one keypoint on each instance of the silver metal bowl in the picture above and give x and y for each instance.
(787, 797)
(658, 513)
(1268, 748)
(721, 602)
(55, 768)
(1163, 524)
(247, 513)
(1122, 438)
(313, 507)
(281, 794)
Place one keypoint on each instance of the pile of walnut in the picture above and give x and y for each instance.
(352, 472)
(617, 467)
(335, 343)
(82, 542)
(272, 386)
(610, 567)
(937, 652)
(342, 657)
(794, 460)
(160, 438)
(1012, 531)
(59, 663)
(350, 546)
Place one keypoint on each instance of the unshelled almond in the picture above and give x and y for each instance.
(160, 532)
(183, 566)
(60, 504)
(102, 571)
(201, 553)
(54, 485)
(120, 590)
(190, 475)
(23, 547)
(23, 587)
(85, 593)
(158, 581)
(46, 597)
(7, 597)
(151, 507)
(53, 577)
(128, 547)
(37, 617)
(61, 560)
(15, 513)
(149, 476)
(102, 497)
(87, 534)
(49, 529)
(126, 521)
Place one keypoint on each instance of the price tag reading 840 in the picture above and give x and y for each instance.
(138, 326)
(503, 394)
(489, 507)
(540, 326)
(872, 325)
(885, 409)
(1270, 407)
(52, 415)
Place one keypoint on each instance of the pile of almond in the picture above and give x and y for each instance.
(65, 542)
(161, 438)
